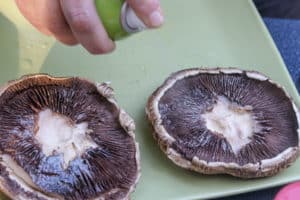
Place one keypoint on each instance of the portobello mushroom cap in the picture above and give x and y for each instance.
(225, 121)
(65, 138)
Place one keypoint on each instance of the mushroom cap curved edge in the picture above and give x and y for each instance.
(11, 187)
(267, 167)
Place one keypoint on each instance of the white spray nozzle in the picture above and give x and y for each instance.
(130, 21)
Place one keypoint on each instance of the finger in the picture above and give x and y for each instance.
(68, 40)
(47, 17)
(32, 11)
(56, 23)
(149, 11)
(86, 26)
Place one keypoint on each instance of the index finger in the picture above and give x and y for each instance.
(86, 26)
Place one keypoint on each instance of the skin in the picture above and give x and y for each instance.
(76, 21)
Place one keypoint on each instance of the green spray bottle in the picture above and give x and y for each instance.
(118, 18)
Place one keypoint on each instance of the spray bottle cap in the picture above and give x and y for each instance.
(131, 23)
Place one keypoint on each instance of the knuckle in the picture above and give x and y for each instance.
(67, 38)
(96, 51)
(101, 49)
(57, 27)
(70, 42)
(79, 21)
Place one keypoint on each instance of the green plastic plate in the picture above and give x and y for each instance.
(196, 33)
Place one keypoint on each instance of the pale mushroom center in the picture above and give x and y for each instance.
(232, 121)
(57, 134)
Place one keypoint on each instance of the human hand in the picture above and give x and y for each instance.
(76, 21)
(289, 192)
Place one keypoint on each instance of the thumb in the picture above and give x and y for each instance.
(149, 11)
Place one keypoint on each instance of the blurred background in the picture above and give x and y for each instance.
(282, 18)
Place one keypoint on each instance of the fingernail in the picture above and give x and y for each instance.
(156, 19)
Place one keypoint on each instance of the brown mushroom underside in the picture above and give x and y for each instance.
(178, 111)
(108, 170)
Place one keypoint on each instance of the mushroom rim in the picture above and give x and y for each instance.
(165, 140)
(125, 120)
